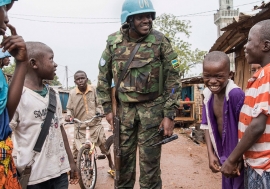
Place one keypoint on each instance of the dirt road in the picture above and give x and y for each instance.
(184, 164)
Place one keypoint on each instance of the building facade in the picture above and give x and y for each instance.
(223, 18)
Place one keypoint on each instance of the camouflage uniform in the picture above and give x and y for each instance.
(143, 102)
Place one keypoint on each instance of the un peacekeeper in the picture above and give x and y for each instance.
(147, 94)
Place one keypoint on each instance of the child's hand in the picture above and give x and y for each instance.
(230, 169)
(68, 118)
(74, 174)
(214, 164)
(15, 45)
(239, 167)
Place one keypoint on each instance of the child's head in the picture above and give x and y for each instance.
(4, 58)
(257, 49)
(5, 5)
(216, 71)
(41, 60)
(255, 67)
(80, 79)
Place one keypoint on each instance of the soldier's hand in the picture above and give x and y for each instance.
(109, 118)
(168, 126)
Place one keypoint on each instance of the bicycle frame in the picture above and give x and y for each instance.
(88, 151)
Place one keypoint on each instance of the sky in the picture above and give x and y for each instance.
(77, 30)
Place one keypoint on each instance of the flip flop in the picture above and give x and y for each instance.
(111, 172)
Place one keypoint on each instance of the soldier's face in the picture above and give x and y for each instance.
(143, 23)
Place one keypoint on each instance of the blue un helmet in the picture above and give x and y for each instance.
(5, 2)
(4, 54)
(132, 7)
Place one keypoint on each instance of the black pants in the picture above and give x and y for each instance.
(60, 182)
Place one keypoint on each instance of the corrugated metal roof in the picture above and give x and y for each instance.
(236, 33)
(192, 80)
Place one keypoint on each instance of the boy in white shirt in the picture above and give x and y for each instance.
(55, 159)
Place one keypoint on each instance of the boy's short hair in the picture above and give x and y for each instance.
(265, 29)
(217, 56)
(80, 71)
(34, 49)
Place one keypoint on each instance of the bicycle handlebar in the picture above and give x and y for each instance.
(75, 120)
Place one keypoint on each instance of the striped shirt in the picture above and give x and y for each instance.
(257, 101)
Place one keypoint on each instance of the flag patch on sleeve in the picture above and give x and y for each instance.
(175, 63)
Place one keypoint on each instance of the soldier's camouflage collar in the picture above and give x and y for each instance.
(125, 34)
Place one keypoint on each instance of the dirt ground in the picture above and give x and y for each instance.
(184, 164)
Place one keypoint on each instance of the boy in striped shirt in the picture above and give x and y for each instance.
(254, 121)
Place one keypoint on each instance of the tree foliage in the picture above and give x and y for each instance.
(173, 28)
(9, 69)
(55, 81)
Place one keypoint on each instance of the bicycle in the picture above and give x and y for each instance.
(87, 154)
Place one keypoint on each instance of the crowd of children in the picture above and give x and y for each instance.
(237, 124)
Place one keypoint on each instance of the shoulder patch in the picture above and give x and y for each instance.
(102, 62)
(175, 63)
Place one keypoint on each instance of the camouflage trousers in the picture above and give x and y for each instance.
(139, 123)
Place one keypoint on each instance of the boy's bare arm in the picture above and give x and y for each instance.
(17, 48)
(214, 164)
(74, 173)
(253, 132)
(69, 109)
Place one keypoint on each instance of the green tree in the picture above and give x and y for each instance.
(9, 69)
(89, 82)
(173, 28)
(55, 81)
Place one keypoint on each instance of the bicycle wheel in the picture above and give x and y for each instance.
(88, 173)
(109, 142)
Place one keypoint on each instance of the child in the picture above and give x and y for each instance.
(51, 165)
(4, 58)
(255, 68)
(254, 122)
(222, 103)
(83, 105)
(9, 98)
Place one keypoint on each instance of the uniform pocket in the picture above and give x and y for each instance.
(141, 77)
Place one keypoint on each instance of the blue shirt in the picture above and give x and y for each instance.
(5, 130)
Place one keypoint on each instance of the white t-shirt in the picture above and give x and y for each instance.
(52, 161)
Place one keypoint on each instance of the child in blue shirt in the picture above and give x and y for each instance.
(10, 97)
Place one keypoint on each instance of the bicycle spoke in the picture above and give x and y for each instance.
(87, 168)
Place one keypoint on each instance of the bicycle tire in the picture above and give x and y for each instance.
(109, 142)
(88, 178)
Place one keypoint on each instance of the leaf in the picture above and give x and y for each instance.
(175, 29)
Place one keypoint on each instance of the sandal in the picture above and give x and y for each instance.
(111, 172)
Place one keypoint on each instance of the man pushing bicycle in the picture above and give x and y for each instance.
(83, 105)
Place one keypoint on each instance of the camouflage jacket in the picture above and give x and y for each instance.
(151, 73)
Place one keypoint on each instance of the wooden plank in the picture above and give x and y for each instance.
(187, 102)
(184, 119)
